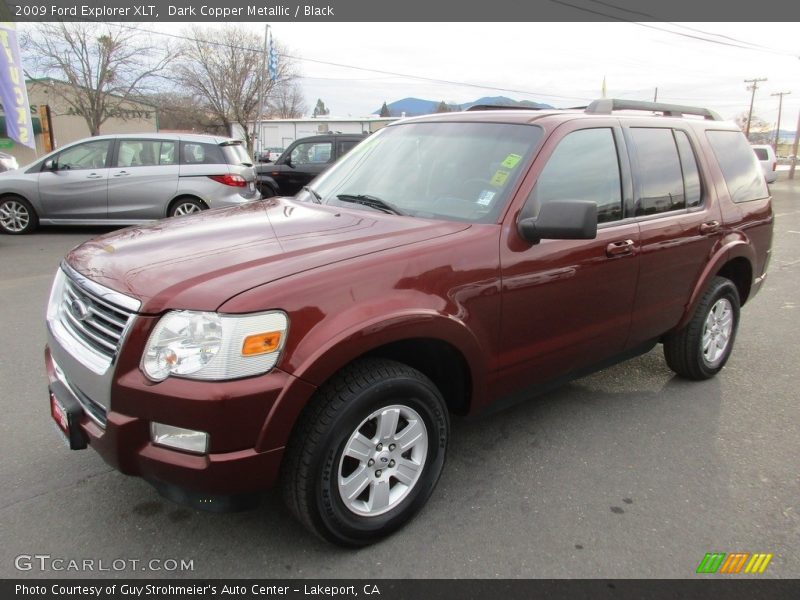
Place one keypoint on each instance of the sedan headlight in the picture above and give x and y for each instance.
(206, 345)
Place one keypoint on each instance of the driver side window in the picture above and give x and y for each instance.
(584, 166)
(91, 155)
(319, 153)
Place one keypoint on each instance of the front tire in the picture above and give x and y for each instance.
(366, 453)
(17, 216)
(700, 349)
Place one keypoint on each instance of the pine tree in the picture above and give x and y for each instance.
(320, 110)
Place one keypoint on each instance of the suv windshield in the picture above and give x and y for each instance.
(454, 171)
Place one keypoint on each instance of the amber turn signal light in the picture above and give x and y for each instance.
(261, 343)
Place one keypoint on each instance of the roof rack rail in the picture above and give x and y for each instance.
(499, 107)
(608, 105)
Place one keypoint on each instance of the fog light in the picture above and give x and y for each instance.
(188, 440)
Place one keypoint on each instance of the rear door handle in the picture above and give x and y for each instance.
(710, 227)
(621, 248)
(94, 176)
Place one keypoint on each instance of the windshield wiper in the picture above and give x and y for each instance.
(314, 195)
(372, 202)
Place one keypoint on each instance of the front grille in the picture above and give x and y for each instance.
(97, 323)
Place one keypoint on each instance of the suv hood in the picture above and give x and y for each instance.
(200, 261)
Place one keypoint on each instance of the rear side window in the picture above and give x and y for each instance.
(761, 153)
(196, 153)
(584, 166)
(659, 171)
(236, 154)
(740, 169)
(312, 152)
(145, 153)
(346, 145)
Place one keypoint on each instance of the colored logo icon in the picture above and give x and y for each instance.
(736, 562)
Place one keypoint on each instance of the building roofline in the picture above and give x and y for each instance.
(46, 80)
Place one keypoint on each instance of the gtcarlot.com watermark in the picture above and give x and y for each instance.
(48, 562)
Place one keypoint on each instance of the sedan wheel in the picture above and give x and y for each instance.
(186, 207)
(17, 216)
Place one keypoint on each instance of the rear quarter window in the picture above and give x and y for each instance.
(195, 153)
(761, 153)
(738, 164)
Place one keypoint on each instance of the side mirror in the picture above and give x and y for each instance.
(561, 220)
(50, 165)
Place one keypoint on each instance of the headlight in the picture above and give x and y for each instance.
(204, 345)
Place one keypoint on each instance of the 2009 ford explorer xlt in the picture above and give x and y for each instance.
(447, 262)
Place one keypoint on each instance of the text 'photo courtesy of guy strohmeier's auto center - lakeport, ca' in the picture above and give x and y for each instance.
(358, 300)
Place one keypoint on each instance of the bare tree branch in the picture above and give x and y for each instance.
(105, 67)
(222, 68)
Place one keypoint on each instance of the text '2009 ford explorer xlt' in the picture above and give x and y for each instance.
(445, 263)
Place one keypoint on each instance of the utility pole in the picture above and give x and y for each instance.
(262, 76)
(754, 86)
(794, 149)
(778, 126)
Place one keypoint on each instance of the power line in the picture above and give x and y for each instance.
(742, 45)
(357, 68)
(719, 35)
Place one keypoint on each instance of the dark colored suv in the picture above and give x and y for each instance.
(446, 263)
(302, 161)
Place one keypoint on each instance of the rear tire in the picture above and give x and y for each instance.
(366, 453)
(186, 206)
(700, 349)
(267, 191)
(17, 216)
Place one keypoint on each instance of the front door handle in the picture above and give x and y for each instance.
(121, 174)
(621, 248)
(94, 176)
(710, 227)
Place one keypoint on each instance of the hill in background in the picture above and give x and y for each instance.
(417, 106)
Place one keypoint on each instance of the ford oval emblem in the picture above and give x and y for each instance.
(79, 310)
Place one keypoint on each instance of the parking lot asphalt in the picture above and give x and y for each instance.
(628, 473)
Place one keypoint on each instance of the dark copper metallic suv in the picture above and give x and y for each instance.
(446, 263)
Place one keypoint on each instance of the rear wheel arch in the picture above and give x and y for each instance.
(183, 198)
(735, 262)
(740, 271)
(269, 185)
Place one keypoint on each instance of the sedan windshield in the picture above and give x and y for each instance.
(454, 171)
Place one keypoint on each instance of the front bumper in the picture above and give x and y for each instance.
(234, 413)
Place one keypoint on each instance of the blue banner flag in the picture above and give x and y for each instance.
(13, 94)
(272, 61)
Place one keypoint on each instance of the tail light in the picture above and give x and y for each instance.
(774, 165)
(231, 180)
